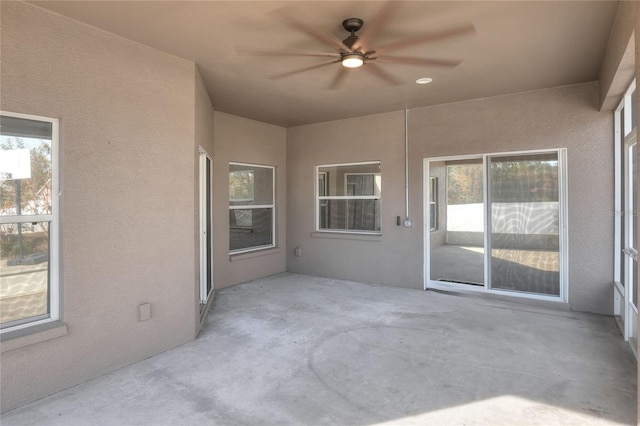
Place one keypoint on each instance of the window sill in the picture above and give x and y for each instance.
(252, 254)
(31, 335)
(348, 236)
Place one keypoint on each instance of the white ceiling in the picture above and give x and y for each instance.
(519, 46)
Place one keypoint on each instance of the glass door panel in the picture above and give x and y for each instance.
(524, 219)
(457, 221)
(206, 228)
(630, 251)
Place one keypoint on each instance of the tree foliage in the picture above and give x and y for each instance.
(513, 181)
(464, 184)
(34, 197)
(35, 193)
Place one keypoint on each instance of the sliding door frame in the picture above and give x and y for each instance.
(205, 218)
(625, 135)
(563, 297)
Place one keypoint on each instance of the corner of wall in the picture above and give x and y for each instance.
(617, 69)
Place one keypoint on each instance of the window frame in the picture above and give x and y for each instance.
(625, 136)
(319, 199)
(433, 201)
(53, 295)
(272, 206)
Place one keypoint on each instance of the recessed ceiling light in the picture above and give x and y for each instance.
(424, 80)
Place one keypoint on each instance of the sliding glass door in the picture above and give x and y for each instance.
(498, 225)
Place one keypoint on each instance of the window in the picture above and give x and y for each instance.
(28, 221)
(251, 207)
(348, 198)
(433, 203)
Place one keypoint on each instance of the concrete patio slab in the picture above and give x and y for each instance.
(299, 350)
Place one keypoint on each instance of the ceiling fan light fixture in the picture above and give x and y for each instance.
(352, 60)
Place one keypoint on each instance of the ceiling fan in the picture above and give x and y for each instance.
(357, 50)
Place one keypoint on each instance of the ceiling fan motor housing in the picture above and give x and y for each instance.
(352, 25)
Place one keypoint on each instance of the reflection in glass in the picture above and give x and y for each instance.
(634, 217)
(634, 195)
(250, 228)
(250, 185)
(525, 245)
(24, 276)
(457, 239)
(351, 179)
(251, 205)
(25, 176)
(635, 283)
(349, 197)
(355, 215)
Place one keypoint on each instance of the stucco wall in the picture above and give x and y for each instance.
(385, 259)
(127, 171)
(246, 141)
(565, 117)
(618, 65)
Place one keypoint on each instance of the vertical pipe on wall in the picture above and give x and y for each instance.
(406, 163)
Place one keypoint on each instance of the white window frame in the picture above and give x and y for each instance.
(319, 198)
(433, 200)
(272, 206)
(54, 232)
(624, 136)
(205, 217)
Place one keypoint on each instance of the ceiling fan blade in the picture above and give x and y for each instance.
(427, 38)
(337, 80)
(311, 31)
(298, 71)
(379, 72)
(275, 52)
(376, 25)
(409, 60)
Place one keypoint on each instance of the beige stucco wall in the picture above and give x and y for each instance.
(387, 259)
(618, 69)
(565, 117)
(127, 171)
(246, 141)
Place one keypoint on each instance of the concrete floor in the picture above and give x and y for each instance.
(299, 350)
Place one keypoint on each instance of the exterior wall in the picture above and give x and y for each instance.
(565, 117)
(127, 170)
(246, 141)
(385, 259)
(617, 69)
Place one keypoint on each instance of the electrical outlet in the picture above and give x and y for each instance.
(144, 312)
(408, 223)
